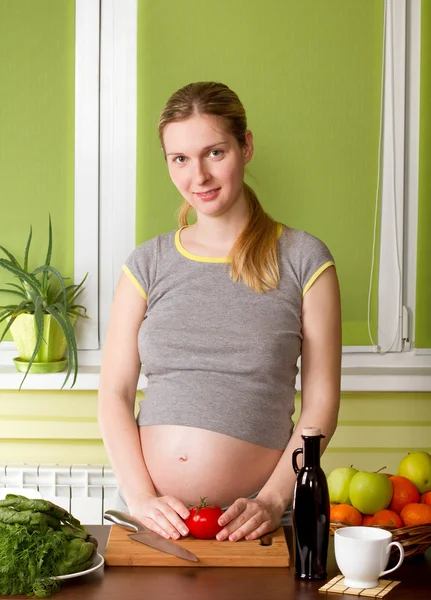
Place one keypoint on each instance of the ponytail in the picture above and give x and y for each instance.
(254, 254)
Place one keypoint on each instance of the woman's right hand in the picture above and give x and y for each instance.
(163, 515)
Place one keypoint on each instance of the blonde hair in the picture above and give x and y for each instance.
(254, 254)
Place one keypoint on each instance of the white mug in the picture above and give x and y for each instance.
(362, 554)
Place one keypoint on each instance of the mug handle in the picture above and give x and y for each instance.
(401, 549)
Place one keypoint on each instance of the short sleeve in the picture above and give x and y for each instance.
(141, 265)
(315, 258)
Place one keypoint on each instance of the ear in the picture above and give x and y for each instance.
(248, 148)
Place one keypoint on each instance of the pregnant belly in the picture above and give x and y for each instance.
(190, 463)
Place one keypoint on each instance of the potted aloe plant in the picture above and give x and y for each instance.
(42, 318)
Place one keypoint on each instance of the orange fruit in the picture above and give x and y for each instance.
(387, 517)
(346, 514)
(367, 520)
(405, 492)
(416, 514)
(426, 498)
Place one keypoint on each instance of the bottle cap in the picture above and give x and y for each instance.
(311, 431)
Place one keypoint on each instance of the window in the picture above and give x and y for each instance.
(58, 31)
(123, 221)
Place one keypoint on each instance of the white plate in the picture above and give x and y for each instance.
(97, 563)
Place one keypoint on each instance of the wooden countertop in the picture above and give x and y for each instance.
(183, 583)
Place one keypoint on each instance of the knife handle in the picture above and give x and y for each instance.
(124, 520)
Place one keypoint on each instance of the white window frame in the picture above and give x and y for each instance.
(363, 367)
(118, 145)
(86, 207)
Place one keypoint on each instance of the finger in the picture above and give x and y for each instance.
(166, 517)
(174, 508)
(155, 527)
(178, 507)
(233, 511)
(247, 528)
(259, 531)
(178, 524)
(235, 523)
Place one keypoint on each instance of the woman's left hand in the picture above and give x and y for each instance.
(249, 518)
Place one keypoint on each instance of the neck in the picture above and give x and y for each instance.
(222, 229)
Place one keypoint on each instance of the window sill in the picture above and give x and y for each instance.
(386, 379)
(353, 379)
(87, 379)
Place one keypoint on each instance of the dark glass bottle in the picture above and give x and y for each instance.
(310, 512)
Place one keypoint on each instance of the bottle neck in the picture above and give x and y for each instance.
(311, 454)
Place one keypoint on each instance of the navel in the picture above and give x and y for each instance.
(183, 459)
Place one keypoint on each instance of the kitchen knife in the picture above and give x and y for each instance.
(146, 536)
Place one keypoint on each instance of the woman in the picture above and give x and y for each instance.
(218, 313)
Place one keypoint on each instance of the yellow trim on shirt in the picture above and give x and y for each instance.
(315, 275)
(184, 252)
(208, 259)
(135, 282)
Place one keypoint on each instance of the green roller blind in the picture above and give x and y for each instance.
(309, 76)
(37, 54)
(423, 288)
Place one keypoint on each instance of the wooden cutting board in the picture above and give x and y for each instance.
(123, 551)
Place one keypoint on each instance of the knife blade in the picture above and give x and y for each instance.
(146, 536)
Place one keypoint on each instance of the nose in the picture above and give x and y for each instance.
(202, 174)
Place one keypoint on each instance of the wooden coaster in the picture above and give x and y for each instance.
(336, 586)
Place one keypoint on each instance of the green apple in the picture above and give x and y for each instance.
(338, 484)
(370, 492)
(416, 466)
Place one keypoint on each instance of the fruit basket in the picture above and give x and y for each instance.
(415, 539)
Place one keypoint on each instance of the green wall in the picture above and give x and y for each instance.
(374, 429)
(423, 291)
(309, 75)
(37, 115)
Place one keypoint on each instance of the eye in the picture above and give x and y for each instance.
(215, 153)
(180, 160)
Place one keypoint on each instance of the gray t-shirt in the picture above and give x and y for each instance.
(218, 355)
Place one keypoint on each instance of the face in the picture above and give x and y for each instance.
(206, 163)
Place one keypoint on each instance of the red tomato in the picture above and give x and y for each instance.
(203, 521)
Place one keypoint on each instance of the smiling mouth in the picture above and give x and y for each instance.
(208, 193)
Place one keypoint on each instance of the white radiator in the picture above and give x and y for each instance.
(86, 491)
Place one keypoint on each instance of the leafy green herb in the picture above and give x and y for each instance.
(36, 546)
(53, 515)
(27, 517)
